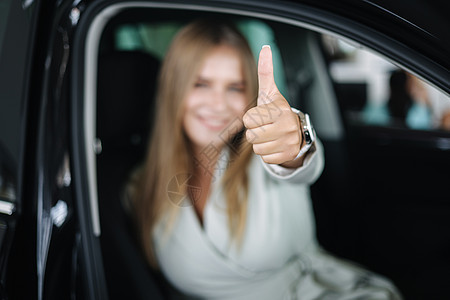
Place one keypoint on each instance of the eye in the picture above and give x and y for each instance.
(201, 84)
(237, 88)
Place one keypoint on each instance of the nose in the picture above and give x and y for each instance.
(219, 101)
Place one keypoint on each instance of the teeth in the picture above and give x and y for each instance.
(214, 122)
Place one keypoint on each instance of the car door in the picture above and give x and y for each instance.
(45, 251)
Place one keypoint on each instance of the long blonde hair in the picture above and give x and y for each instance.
(168, 150)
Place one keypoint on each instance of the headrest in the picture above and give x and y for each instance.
(125, 96)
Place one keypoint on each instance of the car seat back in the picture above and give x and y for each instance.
(126, 87)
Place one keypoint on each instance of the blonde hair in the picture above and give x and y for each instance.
(169, 149)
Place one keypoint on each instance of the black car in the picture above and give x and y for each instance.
(76, 82)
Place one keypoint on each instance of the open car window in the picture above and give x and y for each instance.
(374, 91)
(345, 90)
(154, 38)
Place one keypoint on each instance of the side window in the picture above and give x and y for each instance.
(155, 38)
(10, 98)
(8, 163)
(15, 32)
(16, 27)
(373, 91)
(4, 10)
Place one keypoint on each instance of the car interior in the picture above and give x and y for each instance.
(375, 202)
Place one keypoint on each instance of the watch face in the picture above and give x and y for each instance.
(307, 135)
(308, 131)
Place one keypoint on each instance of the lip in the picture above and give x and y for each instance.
(213, 123)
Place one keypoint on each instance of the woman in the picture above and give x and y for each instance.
(223, 202)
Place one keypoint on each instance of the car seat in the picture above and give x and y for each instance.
(126, 87)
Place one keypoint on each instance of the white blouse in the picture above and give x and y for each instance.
(279, 257)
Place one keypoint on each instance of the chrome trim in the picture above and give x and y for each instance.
(7, 208)
(90, 110)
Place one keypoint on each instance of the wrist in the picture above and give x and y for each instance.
(306, 132)
(308, 137)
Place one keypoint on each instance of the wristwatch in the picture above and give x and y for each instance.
(309, 135)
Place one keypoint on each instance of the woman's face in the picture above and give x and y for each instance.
(216, 102)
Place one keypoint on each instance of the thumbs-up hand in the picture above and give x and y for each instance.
(272, 127)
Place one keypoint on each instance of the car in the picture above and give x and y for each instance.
(76, 83)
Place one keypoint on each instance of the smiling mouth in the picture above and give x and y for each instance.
(213, 123)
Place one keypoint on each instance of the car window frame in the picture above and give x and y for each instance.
(84, 75)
